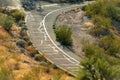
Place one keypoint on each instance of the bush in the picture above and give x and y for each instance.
(102, 26)
(102, 22)
(96, 8)
(110, 44)
(64, 35)
(21, 43)
(101, 8)
(113, 12)
(6, 22)
(99, 32)
(18, 15)
(97, 65)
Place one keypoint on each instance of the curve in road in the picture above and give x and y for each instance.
(42, 40)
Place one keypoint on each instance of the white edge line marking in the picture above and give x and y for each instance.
(49, 5)
(49, 35)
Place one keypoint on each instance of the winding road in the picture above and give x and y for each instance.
(42, 35)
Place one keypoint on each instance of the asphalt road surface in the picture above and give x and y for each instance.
(43, 37)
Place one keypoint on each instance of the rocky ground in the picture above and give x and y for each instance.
(79, 24)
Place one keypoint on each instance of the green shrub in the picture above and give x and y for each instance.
(112, 12)
(110, 44)
(96, 8)
(6, 22)
(102, 26)
(64, 35)
(97, 65)
(102, 22)
(18, 15)
(99, 32)
(101, 8)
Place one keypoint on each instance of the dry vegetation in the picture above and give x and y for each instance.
(16, 58)
(22, 67)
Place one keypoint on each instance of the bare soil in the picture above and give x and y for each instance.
(79, 24)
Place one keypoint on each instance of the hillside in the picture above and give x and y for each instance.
(19, 59)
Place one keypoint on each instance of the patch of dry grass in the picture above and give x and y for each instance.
(22, 66)
(4, 35)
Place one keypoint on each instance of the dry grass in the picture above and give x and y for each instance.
(89, 24)
(4, 35)
(31, 49)
(23, 67)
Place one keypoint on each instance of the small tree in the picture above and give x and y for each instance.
(64, 35)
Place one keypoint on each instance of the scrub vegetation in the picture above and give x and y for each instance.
(64, 35)
(103, 56)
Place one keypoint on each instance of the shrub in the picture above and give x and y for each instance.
(101, 8)
(21, 43)
(31, 50)
(21, 23)
(64, 35)
(6, 22)
(102, 22)
(54, 66)
(99, 32)
(102, 26)
(18, 15)
(110, 44)
(30, 43)
(97, 8)
(112, 12)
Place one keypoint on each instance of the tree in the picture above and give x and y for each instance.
(64, 35)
